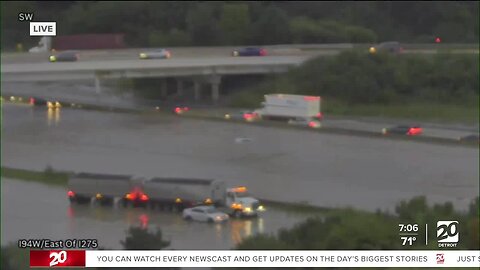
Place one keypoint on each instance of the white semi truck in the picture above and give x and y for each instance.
(290, 107)
(170, 193)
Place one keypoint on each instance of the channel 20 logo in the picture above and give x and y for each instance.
(440, 258)
(447, 233)
(57, 258)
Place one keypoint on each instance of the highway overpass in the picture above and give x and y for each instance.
(201, 65)
(199, 70)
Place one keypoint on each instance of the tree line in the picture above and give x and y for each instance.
(357, 77)
(349, 229)
(206, 23)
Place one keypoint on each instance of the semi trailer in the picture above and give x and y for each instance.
(103, 188)
(167, 193)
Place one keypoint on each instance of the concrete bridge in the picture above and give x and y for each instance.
(197, 70)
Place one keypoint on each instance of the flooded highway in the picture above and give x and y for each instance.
(277, 164)
(37, 211)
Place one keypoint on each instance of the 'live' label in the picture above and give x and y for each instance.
(43, 28)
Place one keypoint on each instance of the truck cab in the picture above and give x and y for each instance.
(241, 204)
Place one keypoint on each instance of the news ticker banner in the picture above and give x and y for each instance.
(253, 258)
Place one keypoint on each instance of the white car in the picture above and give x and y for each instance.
(205, 214)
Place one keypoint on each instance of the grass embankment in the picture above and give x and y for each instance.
(49, 176)
(431, 112)
(416, 111)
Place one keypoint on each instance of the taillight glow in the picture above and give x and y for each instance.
(263, 52)
(319, 115)
(178, 110)
(312, 124)
(70, 193)
(32, 101)
(414, 131)
(129, 196)
(247, 116)
(311, 98)
(144, 197)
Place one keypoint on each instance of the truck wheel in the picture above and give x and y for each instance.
(83, 200)
(151, 205)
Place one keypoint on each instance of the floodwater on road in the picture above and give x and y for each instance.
(277, 164)
(37, 211)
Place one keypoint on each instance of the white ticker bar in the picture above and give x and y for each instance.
(282, 258)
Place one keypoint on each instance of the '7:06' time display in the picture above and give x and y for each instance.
(408, 233)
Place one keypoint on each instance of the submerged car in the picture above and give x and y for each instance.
(391, 47)
(403, 130)
(181, 109)
(35, 101)
(204, 214)
(250, 51)
(245, 115)
(66, 56)
(472, 138)
(305, 123)
(156, 54)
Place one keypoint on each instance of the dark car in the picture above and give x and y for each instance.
(245, 116)
(66, 56)
(391, 47)
(250, 51)
(35, 101)
(473, 138)
(403, 130)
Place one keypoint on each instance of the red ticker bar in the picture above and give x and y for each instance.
(57, 258)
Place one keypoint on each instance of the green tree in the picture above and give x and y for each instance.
(358, 34)
(13, 258)
(202, 25)
(234, 23)
(271, 27)
(174, 37)
(141, 239)
(304, 30)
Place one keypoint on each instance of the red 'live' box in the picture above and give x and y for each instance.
(57, 258)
